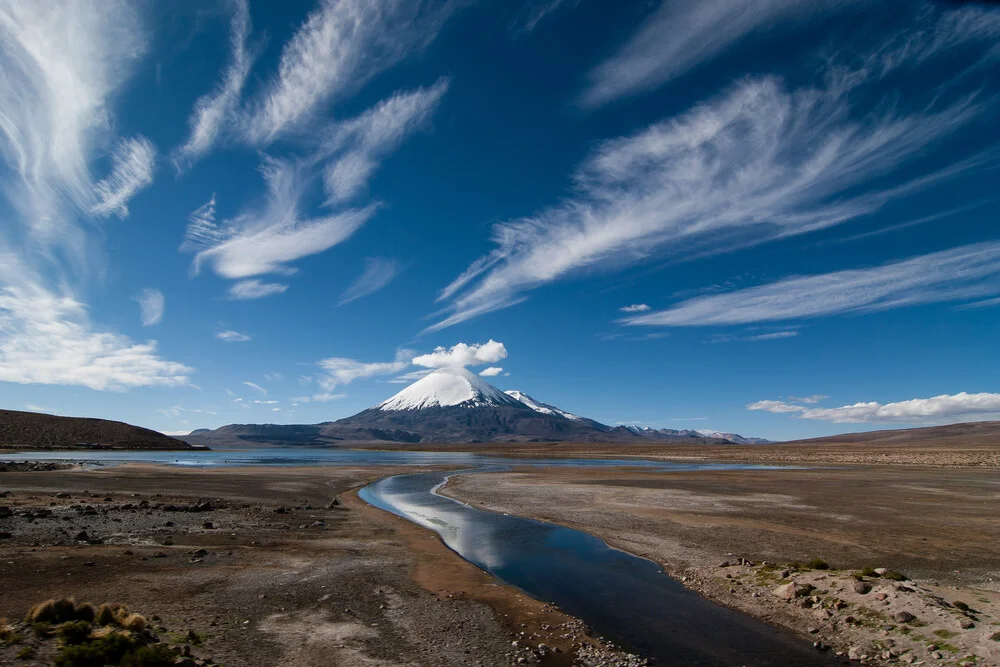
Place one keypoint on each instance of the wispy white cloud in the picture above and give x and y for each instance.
(218, 109)
(943, 408)
(265, 402)
(682, 34)
(151, 304)
(133, 164)
(967, 272)
(534, 11)
(463, 354)
(46, 338)
(811, 400)
(492, 371)
(255, 387)
(255, 289)
(230, 336)
(635, 308)
(757, 163)
(358, 145)
(772, 335)
(379, 272)
(412, 376)
(340, 46)
(266, 239)
(339, 371)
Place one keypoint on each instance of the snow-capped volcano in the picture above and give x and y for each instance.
(447, 387)
(538, 406)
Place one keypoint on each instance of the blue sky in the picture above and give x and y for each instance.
(776, 218)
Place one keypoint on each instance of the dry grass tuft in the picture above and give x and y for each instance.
(43, 612)
(134, 622)
(106, 615)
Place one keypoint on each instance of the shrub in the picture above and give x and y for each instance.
(818, 564)
(26, 653)
(134, 622)
(870, 572)
(156, 655)
(8, 635)
(106, 615)
(41, 630)
(59, 611)
(958, 604)
(43, 612)
(893, 575)
(95, 653)
(74, 632)
(84, 612)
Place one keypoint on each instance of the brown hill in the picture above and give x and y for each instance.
(968, 434)
(33, 430)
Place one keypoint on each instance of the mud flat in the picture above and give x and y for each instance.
(256, 566)
(735, 536)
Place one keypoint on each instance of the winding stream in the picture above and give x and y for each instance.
(622, 597)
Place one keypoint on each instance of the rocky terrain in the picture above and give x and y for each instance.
(33, 430)
(248, 567)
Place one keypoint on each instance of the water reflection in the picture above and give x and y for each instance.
(625, 598)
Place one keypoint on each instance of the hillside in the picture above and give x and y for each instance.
(33, 430)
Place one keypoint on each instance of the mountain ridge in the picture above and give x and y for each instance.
(450, 405)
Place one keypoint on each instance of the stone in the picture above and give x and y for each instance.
(904, 617)
(854, 653)
(881, 570)
(881, 596)
(333, 503)
(966, 624)
(82, 536)
(792, 590)
(862, 587)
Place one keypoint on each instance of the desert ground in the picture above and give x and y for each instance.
(255, 567)
(746, 538)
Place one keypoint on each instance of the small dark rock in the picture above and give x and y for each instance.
(862, 587)
(904, 617)
(82, 536)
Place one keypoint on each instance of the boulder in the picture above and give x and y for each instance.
(792, 590)
(862, 587)
(904, 617)
(966, 624)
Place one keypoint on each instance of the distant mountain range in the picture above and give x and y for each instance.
(34, 430)
(452, 405)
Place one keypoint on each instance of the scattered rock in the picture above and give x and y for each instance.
(966, 624)
(904, 617)
(862, 587)
(792, 590)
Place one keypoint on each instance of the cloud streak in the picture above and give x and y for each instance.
(943, 408)
(151, 305)
(361, 143)
(963, 273)
(266, 239)
(133, 164)
(682, 34)
(218, 109)
(341, 45)
(379, 272)
(230, 336)
(757, 163)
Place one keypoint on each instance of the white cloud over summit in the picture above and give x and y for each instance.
(463, 355)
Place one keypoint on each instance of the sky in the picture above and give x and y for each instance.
(770, 217)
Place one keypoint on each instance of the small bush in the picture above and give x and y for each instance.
(870, 572)
(8, 634)
(818, 564)
(74, 632)
(156, 655)
(893, 575)
(958, 604)
(106, 615)
(134, 622)
(95, 653)
(43, 612)
(41, 630)
(84, 612)
(26, 653)
(945, 634)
